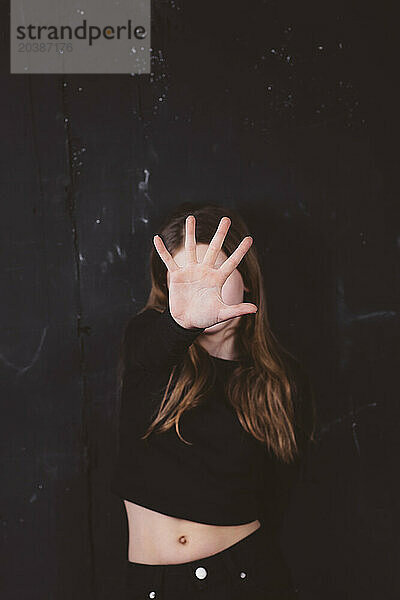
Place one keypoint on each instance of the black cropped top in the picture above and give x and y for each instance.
(226, 476)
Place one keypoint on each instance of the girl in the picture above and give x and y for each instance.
(214, 423)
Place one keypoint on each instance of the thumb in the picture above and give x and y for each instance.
(236, 310)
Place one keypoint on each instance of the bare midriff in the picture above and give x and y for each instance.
(157, 539)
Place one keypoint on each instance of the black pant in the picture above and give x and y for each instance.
(251, 569)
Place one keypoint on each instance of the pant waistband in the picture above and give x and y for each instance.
(237, 560)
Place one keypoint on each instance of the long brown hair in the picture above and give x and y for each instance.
(267, 388)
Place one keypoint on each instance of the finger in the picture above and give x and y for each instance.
(216, 242)
(164, 254)
(190, 241)
(236, 310)
(230, 264)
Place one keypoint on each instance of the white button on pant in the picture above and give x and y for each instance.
(152, 594)
(201, 572)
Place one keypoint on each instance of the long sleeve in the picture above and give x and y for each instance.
(154, 341)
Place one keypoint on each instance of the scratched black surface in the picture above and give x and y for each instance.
(285, 111)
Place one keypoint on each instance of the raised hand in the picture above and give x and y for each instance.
(195, 289)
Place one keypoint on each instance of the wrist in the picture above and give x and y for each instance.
(183, 326)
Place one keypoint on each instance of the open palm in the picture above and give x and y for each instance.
(195, 289)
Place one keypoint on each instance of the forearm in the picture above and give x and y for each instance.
(154, 340)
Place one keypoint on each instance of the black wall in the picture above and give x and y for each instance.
(283, 110)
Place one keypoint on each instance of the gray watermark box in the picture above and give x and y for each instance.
(80, 36)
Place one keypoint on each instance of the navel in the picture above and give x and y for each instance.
(182, 539)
